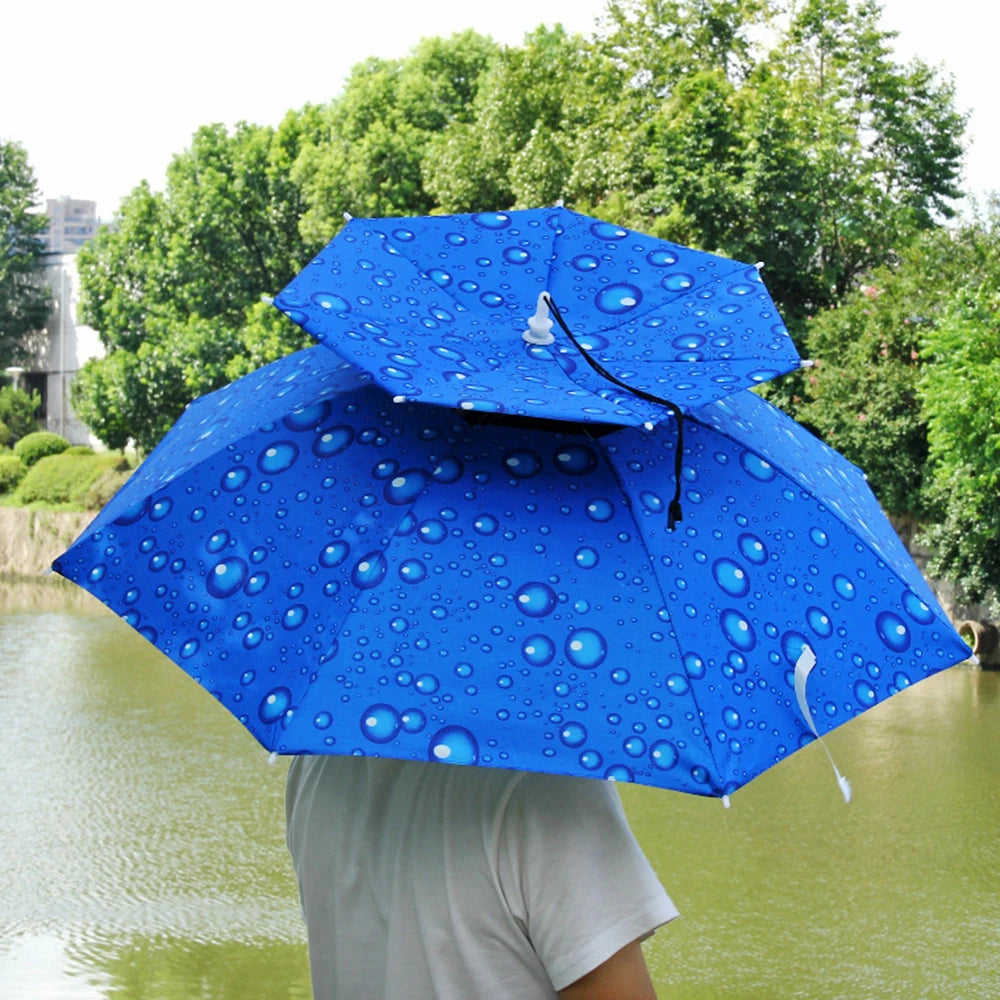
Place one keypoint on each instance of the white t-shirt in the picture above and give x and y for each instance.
(442, 882)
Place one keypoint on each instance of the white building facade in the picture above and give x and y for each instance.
(60, 351)
(72, 222)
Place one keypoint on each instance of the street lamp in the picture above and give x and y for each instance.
(15, 374)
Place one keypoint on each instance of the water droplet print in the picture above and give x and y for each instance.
(274, 706)
(573, 734)
(227, 577)
(374, 575)
(664, 755)
(333, 441)
(454, 745)
(535, 599)
(369, 571)
(538, 650)
(618, 298)
(331, 302)
(405, 487)
(893, 631)
(575, 460)
(608, 231)
(380, 723)
(586, 648)
(334, 554)
(737, 629)
(523, 463)
(731, 577)
(235, 479)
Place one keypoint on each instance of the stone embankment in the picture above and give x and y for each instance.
(31, 539)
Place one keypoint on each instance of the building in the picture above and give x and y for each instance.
(60, 351)
(72, 223)
(61, 348)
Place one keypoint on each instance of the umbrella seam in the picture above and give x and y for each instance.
(354, 598)
(870, 545)
(656, 576)
(460, 306)
(716, 279)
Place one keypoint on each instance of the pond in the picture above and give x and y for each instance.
(142, 851)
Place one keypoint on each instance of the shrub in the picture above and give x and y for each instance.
(105, 486)
(5, 434)
(38, 445)
(17, 410)
(12, 471)
(78, 449)
(64, 479)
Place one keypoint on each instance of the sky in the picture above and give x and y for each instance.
(102, 93)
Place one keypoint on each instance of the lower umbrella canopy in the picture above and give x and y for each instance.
(352, 575)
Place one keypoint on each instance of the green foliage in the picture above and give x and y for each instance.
(37, 445)
(12, 471)
(818, 155)
(5, 435)
(24, 300)
(958, 388)
(17, 411)
(105, 485)
(371, 158)
(906, 388)
(109, 397)
(862, 396)
(64, 479)
(267, 335)
(534, 106)
(171, 286)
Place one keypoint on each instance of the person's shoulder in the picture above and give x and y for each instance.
(563, 787)
(557, 799)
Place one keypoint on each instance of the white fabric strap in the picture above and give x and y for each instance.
(803, 668)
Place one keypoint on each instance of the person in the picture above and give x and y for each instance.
(430, 881)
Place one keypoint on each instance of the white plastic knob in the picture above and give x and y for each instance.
(540, 325)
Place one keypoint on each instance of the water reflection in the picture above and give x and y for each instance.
(793, 894)
(141, 847)
(142, 851)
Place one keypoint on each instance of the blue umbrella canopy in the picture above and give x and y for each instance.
(446, 310)
(348, 574)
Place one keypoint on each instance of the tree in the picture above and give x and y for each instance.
(816, 154)
(862, 396)
(905, 388)
(958, 392)
(24, 301)
(882, 153)
(17, 412)
(174, 288)
(370, 158)
(537, 105)
(170, 287)
(958, 389)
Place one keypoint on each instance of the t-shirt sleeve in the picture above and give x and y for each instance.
(574, 876)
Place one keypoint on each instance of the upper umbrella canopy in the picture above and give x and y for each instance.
(437, 309)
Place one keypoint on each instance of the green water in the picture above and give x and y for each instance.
(142, 851)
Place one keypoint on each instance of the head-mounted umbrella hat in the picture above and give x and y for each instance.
(455, 311)
(348, 574)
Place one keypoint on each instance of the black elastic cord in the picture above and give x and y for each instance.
(674, 513)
